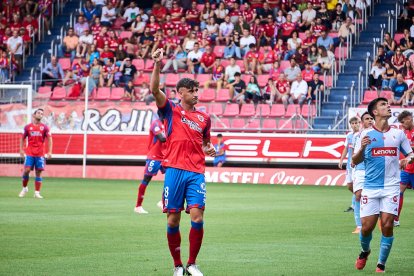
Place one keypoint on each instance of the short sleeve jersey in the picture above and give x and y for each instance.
(348, 144)
(186, 131)
(155, 146)
(382, 156)
(36, 135)
(410, 137)
(355, 140)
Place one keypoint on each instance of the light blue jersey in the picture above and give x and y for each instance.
(356, 140)
(350, 148)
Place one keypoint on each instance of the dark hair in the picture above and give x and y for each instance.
(364, 114)
(39, 109)
(373, 105)
(186, 83)
(237, 74)
(219, 135)
(403, 115)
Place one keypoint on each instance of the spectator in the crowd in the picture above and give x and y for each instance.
(138, 26)
(98, 4)
(381, 56)
(31, 25)
(266, 64)
(78, 74)
(107, 53)
(95, 72)
(280, 49)
(408, 73)
(192, 15)
(241, 25)
(399, 91)
(189, 41)
(130, 14)
(178, 60)
(159, 41)
(253, 92)
(176, 12)
(53, 73)
(295, 13)
(89, 11)
(308, 72)
(249, 14)
(231, 70)
(268, 92)
(315, 86)
(237, 88)
(225, 31)
(375, 76)
(269, 33)
(324, 15)
(217, 77)
(326, 41)
(409, 98)
(129, 91)
(275, 71)
(92, 54)
(146, 41)
(287, 28)
(4, 68)
(245, 41)
(346, 28)
(308, 16)
(45, 10)
(325, 59)
(84, 44)
(407, 43)
(212, 29)
(389, 45)
(232, 48)
(69, 45)
(398, 60)
(293, 43)
(108, 14)
(171, 43)
(108, 73)
(404, 20)
(282, 89)
(337, 17)
(15, 48)
(207, 61)
(96, 28)
(194, 59)
(264, 12)
(81, 26)
(207, 13)
(298, 91)
(128, 71)
(388, 77)
(221, 13)
(172, 96)
(313, 57)
(159, 11)
(280, 19)
(292, 71)
(254, 57)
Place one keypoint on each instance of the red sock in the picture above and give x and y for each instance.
(25, 180)
(38, 184)
(141, 194)
(174, 242)
(400, 205)
(196, 239)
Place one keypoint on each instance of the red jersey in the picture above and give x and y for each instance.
(269, 29)
(308, 41)
(318, 29)
(15, 26)
(96, 30)
(195, 13)
(307, 75)
(410, 136)
(108, 54)
(186, 131)
(270, 57)
(100, 41)
(256, 30)
(183, 29)
(159, 13)
(177, 11)
(168, 25)
(208, 59)
(36, 135)
(155, 146)
(282, 86)
(288, 28)
(153, 27)
(253, 54)
(248, 14)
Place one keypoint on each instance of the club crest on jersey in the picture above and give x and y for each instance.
(384, 151)
(395, 199)
(191, 124)
(200, 118)
(42, 128)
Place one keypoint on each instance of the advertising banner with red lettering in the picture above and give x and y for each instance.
(212, 175)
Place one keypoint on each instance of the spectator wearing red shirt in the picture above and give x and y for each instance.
(282, 88)
(159, 41)
(192, 15)
(159, 12)
(168, 24)
(153, 25)
(4, 67)
(280, 48)
(248, 13)
(256, 29)
(268, 32)
(269, 59)
(307, 73)
(171, 42)
(252, 58)
(207, 61)
(31, 25)
(308, 41)
(109, 71)
(317, 28)
(182, 28)
(96, 28)
(15, 24)
(176, 12)
(288, 27)
(106, 53)
(101, 39)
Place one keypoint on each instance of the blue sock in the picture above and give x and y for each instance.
(357, 214)
(385, 248)
(173, 230)
(353, 201)
(365, 241)
(197, 225)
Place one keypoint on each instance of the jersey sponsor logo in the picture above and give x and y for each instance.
(35, 133)
(384, 151)
(191, 124)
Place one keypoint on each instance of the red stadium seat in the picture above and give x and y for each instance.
(278, 110)
(149, 65)
(238, 123)
(125, 34)
(103, 93)
(44, 92)
(291, 110)
(262, 80)
(222, 95)
(397, 37)
(333, 34)
(222, 123)
(285, 125)
(343, 55)
(302, 35)
(65, 63)
(139, 64)
(387, 94)
(309, 111)
(200, 7)
(117, 93)
(301, 124)
(253, 125)
(327, 81)
(59, 93)
(171, 80)
(246, 78)
(219, 51)
(269, 125)
(240, 64)
(247, 110)
(208, 95)
(145, 77)
(203, 78)
(232, 110)
(216, 109)
(224, 62)
(284, 64)
(263, 110)
(186, 75)
(369, 95)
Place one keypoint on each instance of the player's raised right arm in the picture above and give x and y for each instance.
(159, 96)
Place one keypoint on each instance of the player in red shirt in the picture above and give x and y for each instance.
(407, 176)
(188, 140)
(36, 133)
(156, 145)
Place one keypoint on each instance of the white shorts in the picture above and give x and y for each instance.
(378, 201)
(358, 180)
(348, 176)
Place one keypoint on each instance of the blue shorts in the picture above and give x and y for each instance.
(180, 185)
(152, 167)
(407, 179)
(219, 159)
(35, 162)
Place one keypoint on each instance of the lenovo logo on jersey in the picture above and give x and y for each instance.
(191, 124)
(385, 151)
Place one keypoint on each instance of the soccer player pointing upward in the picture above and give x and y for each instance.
(188, 140)
(379, 148)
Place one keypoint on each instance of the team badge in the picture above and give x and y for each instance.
(203, 186)
(200, 118)
(42, 128)
(183, 112)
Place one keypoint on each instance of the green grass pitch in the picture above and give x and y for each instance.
(87, 227)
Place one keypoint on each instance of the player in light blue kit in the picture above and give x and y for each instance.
(358, 174)
(354, 122)
(379, 148)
